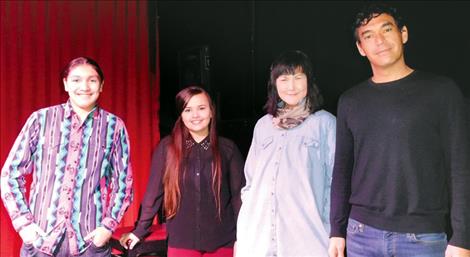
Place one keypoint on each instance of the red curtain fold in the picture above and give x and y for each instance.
(37, 38)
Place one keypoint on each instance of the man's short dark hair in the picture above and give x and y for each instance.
(372, 10)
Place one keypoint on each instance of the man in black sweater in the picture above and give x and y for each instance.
(402, 155)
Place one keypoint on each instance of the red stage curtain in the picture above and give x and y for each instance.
(37, 38)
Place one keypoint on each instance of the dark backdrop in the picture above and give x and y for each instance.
(245, 36)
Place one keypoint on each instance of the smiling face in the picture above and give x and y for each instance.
(381, 41)
(84, 86)
(292, 88)
(196, 116)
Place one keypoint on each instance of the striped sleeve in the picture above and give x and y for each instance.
(18, 164)
(121, 179)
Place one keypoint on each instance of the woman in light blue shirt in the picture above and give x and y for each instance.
(285, 203)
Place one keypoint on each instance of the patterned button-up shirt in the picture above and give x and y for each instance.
(82, 175)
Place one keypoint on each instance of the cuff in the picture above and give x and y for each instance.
(110, 224)
(22, 221)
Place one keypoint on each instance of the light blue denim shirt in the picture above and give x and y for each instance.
(286, 200)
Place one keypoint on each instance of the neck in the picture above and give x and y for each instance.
(198, 137)
(81, 113)
(391, 73)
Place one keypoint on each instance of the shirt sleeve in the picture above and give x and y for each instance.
(329, 156)
(153, 197)
(250, 163)
(18, 164)
(341, 179)
(456, 143)
(121, 179)
(237, 179)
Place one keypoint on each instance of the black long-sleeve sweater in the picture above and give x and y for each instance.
(402, 158)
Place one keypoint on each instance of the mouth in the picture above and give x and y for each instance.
(383, 51)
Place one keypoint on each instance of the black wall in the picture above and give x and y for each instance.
(245, 36)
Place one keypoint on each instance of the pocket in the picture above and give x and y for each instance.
(265, 143)
(29, 250)
(310, 142)
(428, 237)
(354, 227)
(99, 249)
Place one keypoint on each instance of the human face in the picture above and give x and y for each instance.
(196, 116)
(84, 87)
(381, 41)
(292, 88)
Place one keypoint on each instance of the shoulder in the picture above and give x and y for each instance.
(164, 142)
(160, 150)
(321, 119)
(58, 107)
(110, 116)
(356, 90)
(227, 145)
(265, 121)
(42, 112)
(324, 116)
(439, 85)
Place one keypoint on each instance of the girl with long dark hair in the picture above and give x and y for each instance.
(196, 176)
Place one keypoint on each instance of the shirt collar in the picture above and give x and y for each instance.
(68, 110)
(204, 144)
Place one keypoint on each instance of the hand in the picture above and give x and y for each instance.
(100, 236)
(454, 251)
(30, 233)
(336, 247)
(128, 240)
(235, 249)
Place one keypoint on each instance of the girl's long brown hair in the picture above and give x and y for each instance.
(177, 152)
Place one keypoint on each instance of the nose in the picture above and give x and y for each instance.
(84, 85)
(379, 39)
(195, 114)
(290, 85)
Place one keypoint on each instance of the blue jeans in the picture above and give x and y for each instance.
(366, 241)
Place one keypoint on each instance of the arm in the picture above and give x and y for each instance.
(152, 201)
(120, 187)
(250, 163)
(18, 164)
(237, 179)
(341, 182)
(153, 197)
(456, 141)
(329, 159)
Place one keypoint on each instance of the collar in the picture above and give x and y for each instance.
(205, 143)
(68, 111)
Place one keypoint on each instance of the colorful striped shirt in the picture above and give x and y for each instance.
(82, 175)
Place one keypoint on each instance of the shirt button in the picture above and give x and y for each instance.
(197, 174)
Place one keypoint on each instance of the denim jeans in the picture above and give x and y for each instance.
(28, 250)
(366, 241)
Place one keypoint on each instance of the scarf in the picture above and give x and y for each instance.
(288, 118)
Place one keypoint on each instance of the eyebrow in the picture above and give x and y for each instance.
(385, 24)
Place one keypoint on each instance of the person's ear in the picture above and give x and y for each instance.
(101, 86)
(64, 81)
(359, 48)
(404, 34)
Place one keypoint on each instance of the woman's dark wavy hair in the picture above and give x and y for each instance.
(288, 63)
(372, 10)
